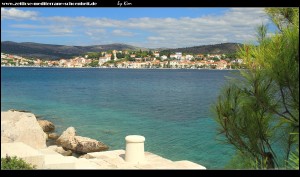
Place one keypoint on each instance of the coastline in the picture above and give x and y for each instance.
(123, 68)
(61, 156)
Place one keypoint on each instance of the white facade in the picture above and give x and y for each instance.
(102, 60)
(179, 55)
(164, 57)
(189, 57)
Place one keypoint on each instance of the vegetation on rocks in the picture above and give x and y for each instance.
(15, 163)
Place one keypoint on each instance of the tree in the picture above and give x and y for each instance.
(112, 56)
(258, 113)
(216, 59)
(93, 55)
(120, 55)
(150, 53)
(261, 33)
(94, 63)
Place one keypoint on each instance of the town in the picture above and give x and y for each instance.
(131, 59)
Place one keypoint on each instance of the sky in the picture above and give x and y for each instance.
(141, 27)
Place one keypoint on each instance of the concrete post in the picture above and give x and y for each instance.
(134, 148)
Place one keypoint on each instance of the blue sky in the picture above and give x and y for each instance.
(143, 27)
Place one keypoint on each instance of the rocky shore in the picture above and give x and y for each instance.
(35, 141)
(23, 126)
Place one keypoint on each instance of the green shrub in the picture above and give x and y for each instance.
(15, 163)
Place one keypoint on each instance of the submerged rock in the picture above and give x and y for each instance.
(22, 127)
(79, 144)
(53, 136)
(46, 125)
(15, 110)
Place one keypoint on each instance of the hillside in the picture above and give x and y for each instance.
(54, 52)
(208, 49)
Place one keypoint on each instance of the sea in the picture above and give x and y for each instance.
(171, 108)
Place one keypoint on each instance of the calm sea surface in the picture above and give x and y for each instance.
(171, 108)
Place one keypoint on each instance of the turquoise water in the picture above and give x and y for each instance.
(171, 108)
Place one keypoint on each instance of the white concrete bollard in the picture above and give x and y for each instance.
(134, 148)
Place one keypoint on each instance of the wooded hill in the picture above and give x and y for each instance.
(55, 52)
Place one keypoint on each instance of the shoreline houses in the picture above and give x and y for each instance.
(131, 60)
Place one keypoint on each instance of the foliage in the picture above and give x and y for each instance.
(205, 49)
(94, 63)
(120, 55)
(94, 55)
(15, 163)
(283, 17)
(231, 56)
(253, 110)
(293, 162)
(261, 33)
(165, 52)
(216, 59)
(243, 161)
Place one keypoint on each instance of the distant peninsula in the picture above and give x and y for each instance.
(56, 52)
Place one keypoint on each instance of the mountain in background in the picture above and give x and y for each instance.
(55, 52)
(224, 48)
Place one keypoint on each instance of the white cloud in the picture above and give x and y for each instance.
(154, 38)
(17, 14)
(28, 26)
(118, 32)
(58, 30)
(27, 34)
(235, 25)
(94, 32)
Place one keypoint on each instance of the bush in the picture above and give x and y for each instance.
(15, 163)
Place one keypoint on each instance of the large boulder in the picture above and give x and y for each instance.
(67, 137)
(79, 144)
(86, 145)
(46, 125)
(22, 127)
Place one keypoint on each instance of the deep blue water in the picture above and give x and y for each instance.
(171, 108)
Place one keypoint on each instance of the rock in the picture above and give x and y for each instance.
(60, 150)
(79, 144)
(50, 142)
(46, 125)
(86, 156)
(15, 110)
(38, 117)
(86, 145)
(63, 152)
(53, 136)
(66, 137)
(46, 135)
(52, 147)
(22, 127)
